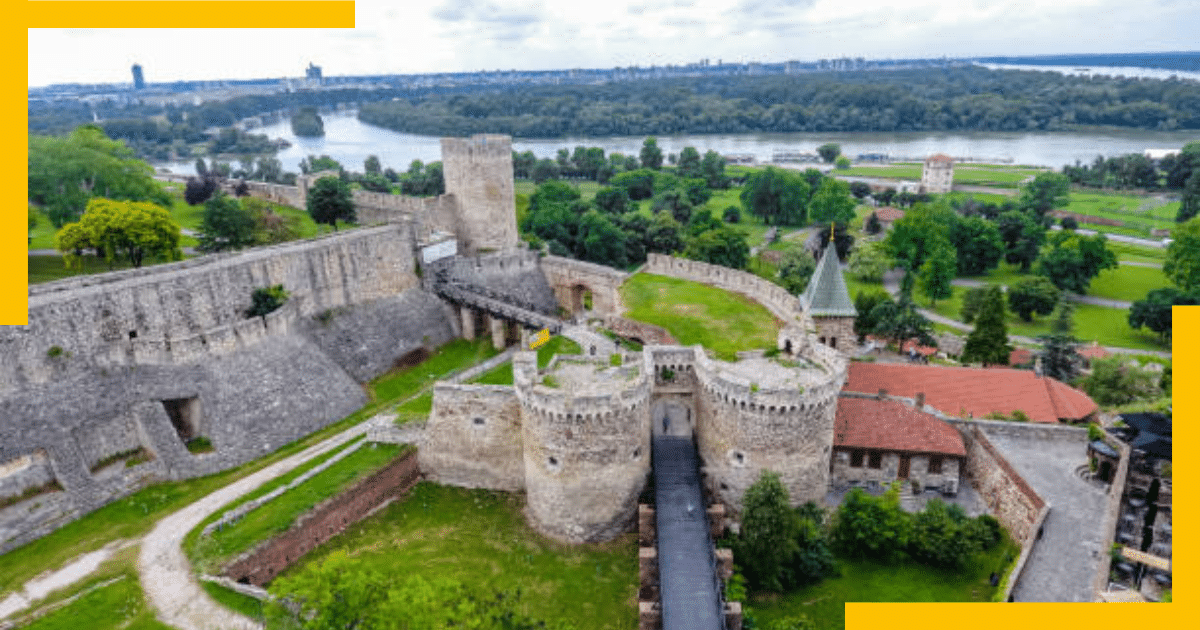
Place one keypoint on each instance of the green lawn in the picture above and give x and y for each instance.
(867, 581)
(234, 600)
(1136, 253)
(1138, 213)
(117, 606)
(502, 374)
(480, 538)
(1108, 326)
(449, 358)
(721, 321)
(275, 517)
(1127, 283)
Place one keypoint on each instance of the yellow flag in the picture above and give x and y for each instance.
(539, 339)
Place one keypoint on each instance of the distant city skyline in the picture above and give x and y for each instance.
(467, 36)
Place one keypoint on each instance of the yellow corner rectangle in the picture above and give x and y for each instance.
(539, 339)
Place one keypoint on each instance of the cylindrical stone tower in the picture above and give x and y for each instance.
(586, 446)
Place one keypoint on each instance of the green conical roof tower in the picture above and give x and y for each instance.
(826, 295)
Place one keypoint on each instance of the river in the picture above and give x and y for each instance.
(350, 141)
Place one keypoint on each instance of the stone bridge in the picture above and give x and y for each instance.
(507, 315)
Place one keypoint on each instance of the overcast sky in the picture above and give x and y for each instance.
(466, 35)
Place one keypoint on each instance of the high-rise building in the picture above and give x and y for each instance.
(139, 82)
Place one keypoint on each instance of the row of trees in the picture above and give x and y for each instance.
(967, 98)
(591, 163)
(1182, 268)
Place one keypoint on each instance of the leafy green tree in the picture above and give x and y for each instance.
(972, 301)
(1046, 192)
(334, 594)
(873, 225)
(988, 341)
(813, 560)
(1022, 236)
(201, 167)
(688, 165)
(732, 214)
(270, 169)
(712, 169)
(860, 190)
(554, 223)
(1113, 382)
(665, 235)
(1033, 295)
(697, 190)
(372, 165)
(843, 163)
(307, 123)
(921, 231)
(553, 192)
(66, 172)
(544, 170)
(900, 321)
(832, 202)
(940, 536)
(937, 273)
(868, 262)
(871, 527)
(316, 164)
(801, 622)
(795, 269)
(978, 244)
(131, 230)
(269, 226)
(777, 196)
(1189, 204)
(1182, 265)
(198, 191)
(867, 319)
(829, 152)
(1071, 260)
(652, 156)
(226, 225)
(702, 221)
(1154, 312)
(723, 246)
(843, 240)
(768, 535)
(1060, 359)
(600, 241)
(638, 183)
(612, 200)
(674, 202)
(329, 201)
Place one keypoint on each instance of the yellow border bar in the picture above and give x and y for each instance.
(191, 14)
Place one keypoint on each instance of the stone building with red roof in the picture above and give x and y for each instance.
(975, 392)
(877, 441)
(887, 215)
(937, 176)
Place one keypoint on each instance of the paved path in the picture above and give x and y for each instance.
(686, 567)
(1136, 263)
(1065, 560)
(588, 339)
(166, 576)
(1071, 297)
(891, 282)
(43, 585)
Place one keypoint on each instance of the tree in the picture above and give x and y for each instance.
(1113, 382)
(937, 273)
(703, 221)
(723, 246)
(665, 235)
(198, 191)
(900, 321)
(1046, 192)
(712, 169)
(544, 170)
(1059, 357)
(652, 156)
(226, 225)
(201, 167)
(553, 192)
(940, 536)
(372, 166)
(978, 244)
(1022, 236)
(600, 241)
(777, 196)
(843, 241)
(66, 172)
(1071, 260)
(732, 214)
(868, 262)
(269, 226)
(919, 232)
(768, 535)
(638, 183)
(871, 527)
(865, 302)
(1032, 295)
(612, 200)
(688, 165)
(829, 152)
(329, 201)
(843, 163)
(873, 225)
(860, 190)
(795, 269)
(1154, 312)
(316, 164)
(1189, 204)
(832, 202)
(972, 302)
(675, 203)
(336, 593)
(1182, 265)
(121, 229)
(988, 341)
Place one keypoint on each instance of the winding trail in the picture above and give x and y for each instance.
(164, 571)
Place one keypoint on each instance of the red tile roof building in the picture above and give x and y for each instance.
(975, 392)
(878, 441)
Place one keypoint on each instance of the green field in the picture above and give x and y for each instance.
(1127, 283)
(480, 538)
(721, 321)
(1136, 253)
(116, 606)
(973, 175)
(208, 554)
(867, 581)
(1138, 213)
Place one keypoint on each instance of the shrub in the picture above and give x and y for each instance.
(1020, 416)
(1094, 432)
(200, 445)
(54, 351)
(266, 300)
(871, 527)
(614, 359)
(732, 214)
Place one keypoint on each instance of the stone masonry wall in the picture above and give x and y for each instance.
(473, 438)
(1008, 496)
(479, 172)
(567, 276)
(844, 475)
(326, 521)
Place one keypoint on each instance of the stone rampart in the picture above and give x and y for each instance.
(645, 333)
(1007, 495)
(326, 521)
(513, 274)
(570, 278)
(473, 438)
